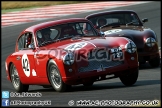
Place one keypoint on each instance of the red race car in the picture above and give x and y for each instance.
(68, 52)
(124, 23)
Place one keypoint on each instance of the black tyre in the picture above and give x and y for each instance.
(155, 62)
(129, 79)
(15, 79)
(88, 83)
(55, 77)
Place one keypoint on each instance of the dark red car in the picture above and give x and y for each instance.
(125, 23)
(68, 52)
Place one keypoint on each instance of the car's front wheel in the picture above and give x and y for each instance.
(155, 62)
(129, 79)
(15, 79)
(55, 77)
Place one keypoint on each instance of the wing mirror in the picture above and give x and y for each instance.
(101, 33)
(144, 20)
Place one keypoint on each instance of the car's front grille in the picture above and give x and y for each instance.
(95, 65)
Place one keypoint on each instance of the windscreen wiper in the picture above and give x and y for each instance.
(131, 23)
(112, 24)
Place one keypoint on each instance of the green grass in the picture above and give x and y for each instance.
(9, 6)
(12, 10)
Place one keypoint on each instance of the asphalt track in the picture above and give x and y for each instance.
(147, 87)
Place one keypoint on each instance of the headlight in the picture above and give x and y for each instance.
(130, 47)
(68, 59)
(150, 42)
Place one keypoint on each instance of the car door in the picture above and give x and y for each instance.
(25, 59)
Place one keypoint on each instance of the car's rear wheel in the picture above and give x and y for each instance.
(15, 79)
(129, 79)
(55, 77)
(155, 62)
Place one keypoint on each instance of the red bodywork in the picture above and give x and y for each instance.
(40, 56)
(138, 34)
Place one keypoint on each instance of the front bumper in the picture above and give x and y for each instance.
(83, 77)
(77, 76)
(145, 56)
(147, 53)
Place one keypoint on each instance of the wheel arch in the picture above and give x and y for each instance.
(49, 60)
(9, 70)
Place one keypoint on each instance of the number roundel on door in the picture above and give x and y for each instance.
(25, 65)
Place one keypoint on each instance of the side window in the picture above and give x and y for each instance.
(21, 42)
(25, 41)
(29, 42)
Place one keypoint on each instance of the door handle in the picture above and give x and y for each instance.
(18, 58)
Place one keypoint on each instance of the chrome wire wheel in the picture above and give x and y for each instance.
(55, 77)
(16, 81)
(15, 77)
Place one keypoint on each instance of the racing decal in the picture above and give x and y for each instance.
(25, 65)
(76, 46)
(112, 31)
(34, 73)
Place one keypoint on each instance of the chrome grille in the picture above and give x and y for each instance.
(94, 65)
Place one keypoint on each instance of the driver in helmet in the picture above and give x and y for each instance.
(43, 35)
(101, 22)
(46, 34)
(40, 38)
